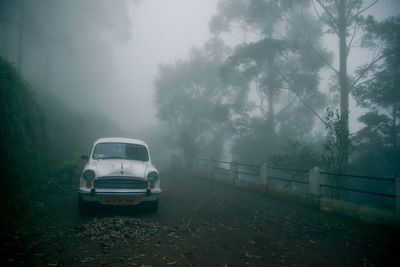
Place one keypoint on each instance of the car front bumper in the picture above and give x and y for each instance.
(112, 196)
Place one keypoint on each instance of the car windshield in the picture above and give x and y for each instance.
(120, 151)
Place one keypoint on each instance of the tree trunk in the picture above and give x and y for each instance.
(394, 141)
(271, 115)
(394, 127)
(344, 90)
(271, 97)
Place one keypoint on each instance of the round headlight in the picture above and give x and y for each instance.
(152, 177)
(89, 175)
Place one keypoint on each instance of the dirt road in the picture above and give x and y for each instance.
(199, 223)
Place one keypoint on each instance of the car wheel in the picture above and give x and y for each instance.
(83, 206)
(153, 206)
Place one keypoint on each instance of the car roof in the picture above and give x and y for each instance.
(120, 140)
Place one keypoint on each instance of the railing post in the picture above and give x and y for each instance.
(234, 171)
(315, 181)
(210, 168)
(264, 175)
(397, 187)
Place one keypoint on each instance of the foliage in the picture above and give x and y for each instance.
(343, 18)
(333, 158)
(276, 62)
(193, 100)
(377, 143)
(61, 47)
(296, 155)
(255, 141)
(375, 153)
(71, 133)
(23, 145)
(336, 139)
(40, 139)
(64, 177)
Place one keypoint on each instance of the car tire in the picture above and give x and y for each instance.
(83, 206)
(153, 206)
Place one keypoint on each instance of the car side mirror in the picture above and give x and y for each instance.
(85, 157)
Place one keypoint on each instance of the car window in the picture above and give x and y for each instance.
(136, 152)
(120, 151)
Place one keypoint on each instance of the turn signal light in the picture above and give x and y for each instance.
(152, 186)
(89, 184)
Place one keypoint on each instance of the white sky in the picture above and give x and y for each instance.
(163, 32)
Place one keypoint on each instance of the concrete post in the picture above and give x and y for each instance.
(234, 172)
(397, 187)
(264, 175)
(315, 181)
(210, 168)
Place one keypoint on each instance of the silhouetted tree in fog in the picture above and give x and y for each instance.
(342, 18)
(195, 103)
(278, 65)
(377, 143)
(64, 47)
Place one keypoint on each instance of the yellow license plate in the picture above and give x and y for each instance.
(120, 200)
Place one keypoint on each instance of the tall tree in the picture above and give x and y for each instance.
(53, 41)
(193, 100)
(343, 17)
(381, 96)
(277, 63)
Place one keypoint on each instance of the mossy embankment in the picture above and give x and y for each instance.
(23, 143)
(41, 140)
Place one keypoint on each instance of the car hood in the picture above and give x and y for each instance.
(118, 167)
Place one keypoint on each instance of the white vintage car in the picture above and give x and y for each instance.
(119, 172)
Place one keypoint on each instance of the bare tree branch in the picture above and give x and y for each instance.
(375, 59)
(352, 38)
(331, 24)
(313, 48)
(364, 9)
(337, 4)
(285, 107)
(293, 89)
(262, 99)
(333, 20)
(351, 8)
(362, 83)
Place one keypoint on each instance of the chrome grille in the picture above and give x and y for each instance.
(116, 182)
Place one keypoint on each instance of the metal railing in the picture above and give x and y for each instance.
(299, 180)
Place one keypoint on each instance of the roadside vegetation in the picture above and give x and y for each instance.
(41, 143)
(264, 99)
(23, 143)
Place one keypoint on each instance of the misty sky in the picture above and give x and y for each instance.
(163, 32)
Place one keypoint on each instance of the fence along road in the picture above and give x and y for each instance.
(201, 222)
(372, 199)
(228, 225)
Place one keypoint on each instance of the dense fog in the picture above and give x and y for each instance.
(101, 56)
(268, 123)
(295, 84)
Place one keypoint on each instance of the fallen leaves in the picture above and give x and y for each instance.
(110, 229)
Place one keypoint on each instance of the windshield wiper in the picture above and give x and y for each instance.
(115, 157)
